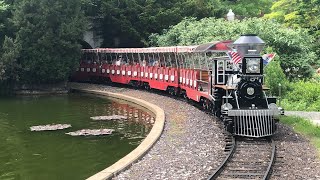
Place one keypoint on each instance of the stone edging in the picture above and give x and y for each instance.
(145, 145)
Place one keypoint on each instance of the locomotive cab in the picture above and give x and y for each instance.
(239, 93)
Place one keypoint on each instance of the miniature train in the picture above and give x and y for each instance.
(228, 84)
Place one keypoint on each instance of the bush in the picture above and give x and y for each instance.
(303, 96)
(275, 76)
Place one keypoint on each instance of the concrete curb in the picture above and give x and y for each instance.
(145, 145)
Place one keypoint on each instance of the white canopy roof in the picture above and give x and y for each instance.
(174, 49)
(213, 46)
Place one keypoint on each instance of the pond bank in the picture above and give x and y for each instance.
(43, 89)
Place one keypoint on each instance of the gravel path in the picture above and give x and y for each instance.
(192, 144)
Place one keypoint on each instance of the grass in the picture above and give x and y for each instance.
(304, 127)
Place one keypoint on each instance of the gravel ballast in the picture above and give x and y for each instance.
(192, 144)
(296, 157)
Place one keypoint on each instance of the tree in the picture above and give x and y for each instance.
(5, 26)
(297, 14)
(128, 23)
(3, 9)
(294, 46)
(248, 8)
(8, 66)
(48, 36)
(8, 62)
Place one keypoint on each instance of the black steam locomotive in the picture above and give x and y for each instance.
(239, 95)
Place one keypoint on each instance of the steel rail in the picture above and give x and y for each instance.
(272, 160)
(265, 175)
(224, 162)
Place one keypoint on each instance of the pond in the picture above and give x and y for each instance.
(55, 155)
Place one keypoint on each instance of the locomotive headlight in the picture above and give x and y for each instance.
(250, 91)
(253, 65)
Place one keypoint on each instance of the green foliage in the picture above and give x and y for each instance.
(8, 61)
(3, 6)
(128, 23)
(293, 46)
(8, 66)
(248, 8)
(294, 13)
(284, 11)
(303, 96)
(5, 26)
(274, 77)
(48, 39)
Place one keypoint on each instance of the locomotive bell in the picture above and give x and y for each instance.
(249, 44)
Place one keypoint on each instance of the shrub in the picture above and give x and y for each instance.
(275, 76)
(303, 95)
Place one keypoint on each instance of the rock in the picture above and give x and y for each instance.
(49, 127)
(91, 132)
(96, 118)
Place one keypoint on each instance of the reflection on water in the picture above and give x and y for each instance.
(137, 124)
(55, 155)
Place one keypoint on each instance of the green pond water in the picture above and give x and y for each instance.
(51, 155)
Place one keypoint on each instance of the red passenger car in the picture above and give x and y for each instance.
(174, 69)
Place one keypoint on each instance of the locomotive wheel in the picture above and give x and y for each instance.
(137, 85)
(204, 104)
(134, 84)
(210, 106)
(212, 109)
(228, 123)
(171, 91)
(184, 95)
(147, 87)
(217, 112)
(216, 109)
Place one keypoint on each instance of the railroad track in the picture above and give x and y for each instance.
(246, 158)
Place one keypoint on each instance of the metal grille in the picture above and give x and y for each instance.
(254, 123)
